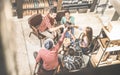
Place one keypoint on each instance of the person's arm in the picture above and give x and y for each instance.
(73, 37)
(58, 45)
(72, 19)
(56, 28)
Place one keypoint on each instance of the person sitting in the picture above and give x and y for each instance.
(85, 39)
(70, 61)
(68, 20)
(49, 56)
(67, 43)
(47, 25)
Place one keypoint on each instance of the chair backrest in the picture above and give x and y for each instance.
(35, 20)
(59, 16)
(94, 44)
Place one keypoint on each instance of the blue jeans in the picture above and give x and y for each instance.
(67, 35)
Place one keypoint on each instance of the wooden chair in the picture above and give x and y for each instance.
(59, 17)
(34, 21)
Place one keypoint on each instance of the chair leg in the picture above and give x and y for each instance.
(35, 54)
(30, 34)
(58, 69)
(40, 42)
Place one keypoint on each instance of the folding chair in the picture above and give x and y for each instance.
(34, 21)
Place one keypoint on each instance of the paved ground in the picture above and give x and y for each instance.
(27, 45)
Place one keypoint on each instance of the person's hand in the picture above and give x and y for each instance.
(62, 26)
(65, 29)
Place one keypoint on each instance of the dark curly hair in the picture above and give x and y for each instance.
(71, 51)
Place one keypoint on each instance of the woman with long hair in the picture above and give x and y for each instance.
(86, 39)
